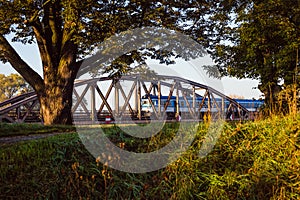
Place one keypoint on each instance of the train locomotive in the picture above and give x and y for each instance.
(185, 104)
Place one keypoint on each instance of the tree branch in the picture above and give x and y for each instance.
(32, 77)
(42, 44)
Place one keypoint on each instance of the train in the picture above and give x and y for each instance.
(186, 103)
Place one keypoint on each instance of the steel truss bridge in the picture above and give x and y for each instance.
(120, 98)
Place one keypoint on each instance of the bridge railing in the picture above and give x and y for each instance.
(20, 108)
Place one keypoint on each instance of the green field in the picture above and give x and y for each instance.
(253, 160)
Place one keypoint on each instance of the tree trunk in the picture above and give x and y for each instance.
(56, 106)
(270, 91)
(56, 97)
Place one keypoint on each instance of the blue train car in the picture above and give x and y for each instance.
(147, 109)
(252, 105)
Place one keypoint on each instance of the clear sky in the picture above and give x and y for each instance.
(187, 69)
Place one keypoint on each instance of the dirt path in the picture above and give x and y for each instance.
(15, 139)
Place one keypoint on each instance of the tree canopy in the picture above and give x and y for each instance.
(258, 39)
(67, 31)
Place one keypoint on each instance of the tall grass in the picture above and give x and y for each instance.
(286, 102)
(255, 160)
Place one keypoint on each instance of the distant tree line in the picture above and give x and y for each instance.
(12, 85)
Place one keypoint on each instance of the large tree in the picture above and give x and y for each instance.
(66, 31)
(258, 39)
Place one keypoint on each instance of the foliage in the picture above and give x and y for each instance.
(258, 39)
(254, 160)
(12, 85)
(67, 31)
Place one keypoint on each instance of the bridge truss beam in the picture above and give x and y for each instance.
(91, 104)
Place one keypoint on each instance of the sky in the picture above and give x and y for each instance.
(191, 70)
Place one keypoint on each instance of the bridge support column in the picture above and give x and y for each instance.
(223, 112)
(138, 100)
(209, 102)
(93, 104)
(177, 101)
(194, 99)
(159, 98)
(209, 113)
(117, 105)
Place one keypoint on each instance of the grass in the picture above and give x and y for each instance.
(254, 160)
(7, 129)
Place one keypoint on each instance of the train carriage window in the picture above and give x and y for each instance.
(182, 104)
(172, 103)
